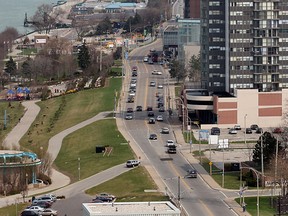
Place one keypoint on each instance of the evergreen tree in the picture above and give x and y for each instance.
(194, 68)
(11, 66)
(269, 148)
(84, 57)
(177, 70)
(26, 68)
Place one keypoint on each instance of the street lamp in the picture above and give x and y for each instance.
(249, 151)
(257, 179)
(79, 168)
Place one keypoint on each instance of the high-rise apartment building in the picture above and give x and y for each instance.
(192, 9)
(244, 45)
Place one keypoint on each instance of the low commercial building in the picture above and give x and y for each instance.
(246, 107)
(130, 208)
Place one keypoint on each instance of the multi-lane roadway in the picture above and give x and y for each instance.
(196, 197)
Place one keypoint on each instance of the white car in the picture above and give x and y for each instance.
(132, 163)
(159, 118)
(152, 84)
(35, 208)
(160, 86)
(170, 143)
(232, 131)
(145, 59)
(156, 72)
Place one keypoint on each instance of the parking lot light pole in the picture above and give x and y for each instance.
(79, 168)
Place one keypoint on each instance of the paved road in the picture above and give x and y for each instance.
(196, 197)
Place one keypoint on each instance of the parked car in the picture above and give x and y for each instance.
(49, 211)
(35, 208)
(192, 173)
(259, 131)
(248, 131)
(129, 116)
(156, 72)
(254, 127)
(232, 131)
(151, 121)
(145, 59)
(277, 130)
(105, 197)
(29, 213)
(160, 86)
(215, 131)
(132, 163)
(42, 204)
(152, 84)
(153, 137)
(165, 130)
(159, 118)
(139, 108)
(237, 127)
(43, 198)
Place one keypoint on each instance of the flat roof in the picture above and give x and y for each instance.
(120, 208)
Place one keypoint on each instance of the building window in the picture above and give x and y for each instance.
(214, 3)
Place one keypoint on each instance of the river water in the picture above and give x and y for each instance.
(12, 12)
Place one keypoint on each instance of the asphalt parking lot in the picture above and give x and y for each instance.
(240, 136)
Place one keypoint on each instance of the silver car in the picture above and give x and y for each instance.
(49, 211)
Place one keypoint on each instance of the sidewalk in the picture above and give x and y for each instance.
(176, 125)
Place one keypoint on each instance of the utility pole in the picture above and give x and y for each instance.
(179, 188)
(262, 157)
(79, 168)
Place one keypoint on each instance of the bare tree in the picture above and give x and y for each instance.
(45, 18)
(7, 38)
(46, 165)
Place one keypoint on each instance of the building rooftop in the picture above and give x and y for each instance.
(131, 208)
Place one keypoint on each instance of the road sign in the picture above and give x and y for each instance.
(210, 163)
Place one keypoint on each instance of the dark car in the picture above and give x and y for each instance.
(149, 108)
(254, 127)
(172, 149)
(153, 137)
(160, 104)
(134, 73)
(29, 213)
(151, 121)
(139, 108)
(259, 131)
(129, 110)
(130, 100)
(150, 114)
(161, 109)
(215, 131)
(277, 130)
(192, 173)
(248, 131)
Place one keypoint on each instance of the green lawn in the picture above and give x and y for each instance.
(264, 206)
(81, 144)
(13, 210)
(14, 111)
(60, 113)
(130, 187)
